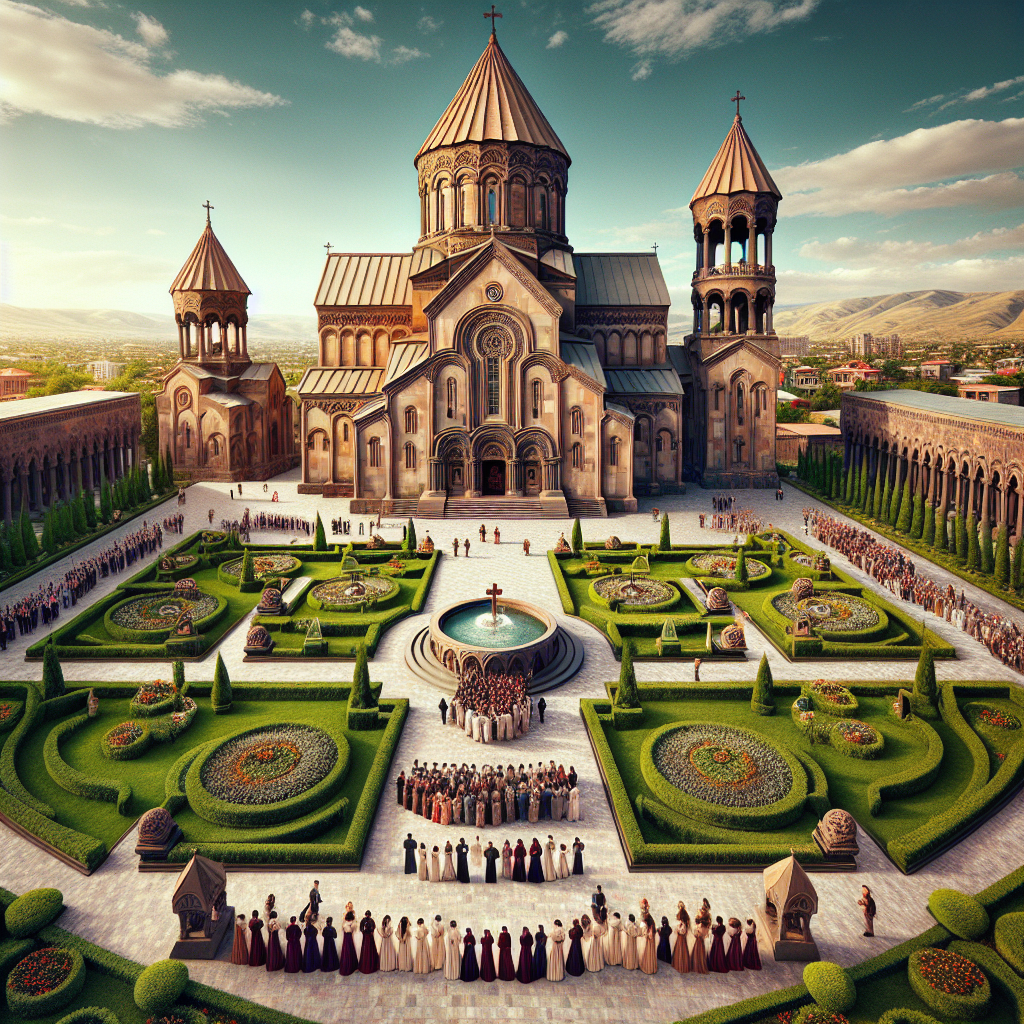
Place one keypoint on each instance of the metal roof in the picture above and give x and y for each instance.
(366, 279)
(492, 103)
(374, 405)
(581, 353)
(228, 399)
(258, 371)
(341, 381)
(619, 279)
(208, 268)
(680, 360)
(620, 409)
(643, 381)
(406, 354)
(963, 408)
(736, 168)
(560, 260)
(57, 403)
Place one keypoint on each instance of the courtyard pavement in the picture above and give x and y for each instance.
(130, 913)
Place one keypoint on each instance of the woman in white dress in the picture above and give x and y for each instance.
(453, 953)
(613, 941)
(422, 874)
(593, 955)
(557, 804)
(630, 957)
(435, 865)
(575, 811)
(388, 957)
(403, 934)
(563, 862)
(556, 958)
(422, 963)
(448, 875)
(549, 860)
(437, 943)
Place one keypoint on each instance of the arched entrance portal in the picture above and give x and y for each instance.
(493, 475)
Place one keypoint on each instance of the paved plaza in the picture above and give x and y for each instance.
(130, 913)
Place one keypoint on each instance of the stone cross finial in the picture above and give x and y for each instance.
(328, 248)
(655, 248)
(492, 15)
(736, 99)
(208, 208)
(494, 593)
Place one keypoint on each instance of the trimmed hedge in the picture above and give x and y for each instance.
(78, 783)
(43, 1005)
(1009, 936)
(1010, 986)
(129, 751)
(9, 780)
(958, 913)
(90, 1015)
(915, 779)
(32, 911)
(158, 987)
(830, 986)
(961, 1007)
(563, 589)
(817, 784)
(87, 850)
(818, 1015)
(904, 1016)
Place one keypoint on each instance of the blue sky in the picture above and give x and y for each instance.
(895, 131)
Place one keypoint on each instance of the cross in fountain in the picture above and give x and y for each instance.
(494, 593)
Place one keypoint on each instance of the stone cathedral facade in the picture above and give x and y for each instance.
(492, 369)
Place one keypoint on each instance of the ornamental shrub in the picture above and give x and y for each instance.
(830, 986)
(409, 541)
(862, 481)
(178, 675)
(903, 518)
(89, 507)
(159, 986)
(987, 554)
(33, 910)
(106, 502)
(902, 1016)
(319, 537)
(924, 696)
(949, 984)
(818, 1015)
(576, 540)
(90, 1015)
(78, 516)
(48, 541)
(168, 469)
(627, 695)
(917, 522)
(361, 696)
(973, 547)
(883, 506)
(53, 675)
(45, 981)
(960, 537)
(17, 547)
(665, 540)
(1009, 934)
(958, 913)
(1017, 566)
(220, 692)
(742, 575)
(761, 701)
(1001, 561)
(928, 535)
(248, 571)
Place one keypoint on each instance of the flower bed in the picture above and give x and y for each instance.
(44, 981)
(833, 612)
(994, 719)
(126, 741)
(724, 566)
(949, 983)
(158, 613)
(848, 736)
(345, 593)
(833, 698)
(10, 711)
(155, 698)
(264, 566)
(638, 592)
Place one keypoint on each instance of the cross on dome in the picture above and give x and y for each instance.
(494, 13)
(736, 99)
(208, 208)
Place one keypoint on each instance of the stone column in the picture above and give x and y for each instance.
(751, 320)
(707, 252)
(752, 243)
(181, 341)
(24, 491)
(245, 343)
(929, 501)
(768, 248)
(728, 247)
(51, 480)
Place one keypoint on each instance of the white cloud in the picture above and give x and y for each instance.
(63, 69)
(641, 71)
(983, 92)
(151, 31)
(427, 24)
(557, 40)
(363, 14)
(352, 44)
(672, 28)
(155, 231)
(402, 54)
(307, 19)
(938, 98)
(928, 168)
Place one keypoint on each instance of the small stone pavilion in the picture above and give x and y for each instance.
(200, 901)
(790, 901)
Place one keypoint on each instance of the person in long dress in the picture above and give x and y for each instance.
(388, 956)
(462, 861)
(563, 862)
(275, 955)
(268, 905)
(452, 952)
(495, 809)
(681, 951)
(716, 958)
(257, 947)
(491, 856)
(533, 814)
(665, 942)
(525, 971)
(437, 943)
(422, 964)
(403, 933)
(369, 958)
(423, 873)
(630, 959)
(574, 962)
(311, 949)
(519, 866)
(593, 955)
(577, 856)
(699, 953)
(574, 804)
(549, 860)
(556, 958)
(487, 969)
(435, 865)
(347, 960)
(329, 957)
(476, 854)
(536, 872)
(448, 874)
(540, 953)
(506, 968)
(506, 860)
(470, 970)
(649, 955)
(239, 950)
(612, 941)
(734, 954)
(293, 948)
(751, 954)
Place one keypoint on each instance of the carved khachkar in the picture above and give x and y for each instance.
(258, 641)
(836, 834)
(802, 589)
(613, 543)
(718, 600)
(158, 834)
(732, 638)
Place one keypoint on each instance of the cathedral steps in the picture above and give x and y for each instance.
(587, 508)
(502, 508)
(401, 506)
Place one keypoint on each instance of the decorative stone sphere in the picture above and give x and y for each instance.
(802, 589)
(156, 825)
(257, 637)
(271, 595)
(718, 600)
(613, 543)
(733, 638)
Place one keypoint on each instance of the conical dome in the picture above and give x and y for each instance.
(209, 268)
(492, 104)
(736, 168)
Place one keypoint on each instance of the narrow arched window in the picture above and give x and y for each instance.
(188, 436)
(537, 397)
(410, 455)
(410, 420)
(344, 432)
(576, 422)
(453, 394)
(716, 399)
(325, 445)
(577, 456)
(375, 452)
(659, 443)
(739, 403)
(613, 452)
(758, 402)
(439, 207)
(544, 211)
(492, 206)
(493, 386)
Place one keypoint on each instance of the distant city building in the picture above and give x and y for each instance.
(13, 383)
(936, 369)
(807, 377)
(793, 438)
(867, 345)
(998, 393)
(845, 377)
(104, 369)
(796, 345)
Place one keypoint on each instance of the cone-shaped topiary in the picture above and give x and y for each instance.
(78, 515)
(53, 675)
(28, 537)
(106, 502)
(862, 482)
(960, 536)
(409, 542)
(665, 540)
(1017, 566)
(49, 541)
(883, 507)
(319, 537)
(178, 674)
(897, 497)
(169, 469)
(89, 504)
(361, 696)
(988, 560)
(761, 701)
(1001, 562)
(248, 573)
(627, 696)
(220, 692)
(906, 508)
(973, 547)
(17, 547)
(917, 521)
(924, 696)
(576, 539)
(6, 562)
(928, 534)
(742, 575)
(941, 529)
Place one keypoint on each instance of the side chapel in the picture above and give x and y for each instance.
(492, 369)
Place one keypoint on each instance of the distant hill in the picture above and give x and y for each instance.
(97, 324)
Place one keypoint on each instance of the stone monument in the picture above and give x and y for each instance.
(200, 901)
(789, 903)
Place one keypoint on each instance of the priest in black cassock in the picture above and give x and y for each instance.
(491, 855)
(410, 854)
(462, 862)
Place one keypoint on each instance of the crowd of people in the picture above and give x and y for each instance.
(496, 706)
(452, 794)
(596, 940)
(543, 866)
(892, 568)
(175, 523)
(736, 522)
(264, 521)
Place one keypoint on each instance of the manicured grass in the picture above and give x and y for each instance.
(100, 990)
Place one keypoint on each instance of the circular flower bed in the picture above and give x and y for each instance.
(124, 734)
(160, 612)
(992, 718)
(9, 711)
(45, 981)
(641, 591)
(724, 566)
(833, 698)
(833, 612)
(264, 566)
(801, 559)
(155, 698)
(724, 774)
(949, 983)
(343, 592)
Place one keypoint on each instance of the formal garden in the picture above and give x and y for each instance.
(685, 601)
(251, 773)
(740, 774)
(184, 603)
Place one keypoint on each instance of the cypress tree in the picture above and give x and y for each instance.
(147, 489)
(409, 542)
(53, 677)
(67, 522)
(828, 476)
(1017, 566)
(973, 547)
(6, 562)
(17, 547)
(987, 554)
(106, 505)
(837, 476)
(89, 507)
(924, 696)
(220, 692)
(78, 515)
(800, 464)
(862, 485)
(960, 533)
(627, 696)
(49, 544)
(154, 475)
(881, 468)
(883, 508)
(169, 470)
(897, 497)
(903, 517)
(178, 671)
(319, 537)
(941, 529)
(576, 539)
(742, 575)
(248, 573)
(917, 523)
(665, 540)
(361, 694)
(762, 700)
(928, 536)
(1002, 558)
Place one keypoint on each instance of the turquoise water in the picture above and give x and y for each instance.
(472, 624)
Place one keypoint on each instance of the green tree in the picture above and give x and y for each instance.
(742, 575)
(941, 529)
(665, 540)
(892, 370)
(883, 510)
(828, 396)
(862, 483)
(897, 497)
(577, 536)
(973, 547)
(627, 695)
(786, 412)
(409, 541)
(924, 696)
(17, 547)
(881, 472)
(220, 692)
(319, 537)
(987, 554)
(156, 472)
(762, 700)
(248, 574)
(78, 515)
(106, 502)
(168, 469)
(53, 677)
(917, 522)
(178, 674)
(960, 528)
(6, 562)
(1002, 557)
(89, 508)
(48, 541)
(145, 490)
(1017, 566)
(904, 517)
(28, 537)
(851, 484)
(837, 475)
(928, 535)
(361, 695)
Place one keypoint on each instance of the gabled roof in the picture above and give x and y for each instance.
(619, 279)
(209, 269)
(786, 879)
(582, 354)
(406, 354)
(366, 279)
(646, 380)
(961, 408)
(492, 104)
(736, 168)
(347, 380)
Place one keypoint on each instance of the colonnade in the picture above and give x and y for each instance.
(204, 347)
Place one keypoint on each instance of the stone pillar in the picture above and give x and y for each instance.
(728, 246)
(1003, 503)
(929, 501)
(707, 252)
(51, 480)
(768, 248)
(769, 314)
(473, 479)
(751, 321)
(515, 481)
(245, 344)
(24, 491)
(752, 243)
(181, 341)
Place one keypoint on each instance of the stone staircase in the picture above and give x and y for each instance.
(486, 509)
(400, 507)
(587, 508)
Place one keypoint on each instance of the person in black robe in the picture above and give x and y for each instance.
(311, 950)
(536, 872)
(519, 862)
(665, 941)
(540, 953)
(487, 971)
(400, 788)
(347, 960)
(574, 962)
(525, 972)
(506, 969)
(329, 959)
(293, 948)
(369, 958)
(491, 855)
(257, 947)
(275, 956)
(577, 856)
(410, 854)
(469, 970)
(462, 865)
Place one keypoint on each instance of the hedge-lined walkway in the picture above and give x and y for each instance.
(129, 913)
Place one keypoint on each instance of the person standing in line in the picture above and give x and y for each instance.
(435, 865)
(867, 905)
(410, 854)
(476, 854)
(716, 958)
(541, 707)
(388, 956)
(437, 943)
(348, 959)
(329, 959)
(487, 969)
(461, 854)
(491, 856)
(540, 953)
(293, 950)
(470, 970)
(443, 708)
(311, 950)
(455, 546)
(275, 958)
(696, 670)
(751, 954)
(525, 971)
(448, 874)
(648, 955)
(403, 933)
(497, 536)
(452, 953)
(506, 968)
(574, 962)
(526, 547)
(257, 947)
(549, 860)
(422, 873)
(239, 950)
(612, 940)
(734, 954)
(483, 534)
(369, 958)
(465, 544)
(422, 964)
(681, 951)
(577, 856)
(630, 958)
(556, 958)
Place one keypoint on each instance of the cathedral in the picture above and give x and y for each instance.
(494, 370)
(223, 416)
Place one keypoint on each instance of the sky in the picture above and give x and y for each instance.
(894, 130)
